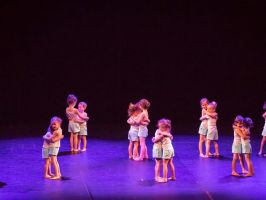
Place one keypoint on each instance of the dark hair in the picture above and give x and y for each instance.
(132, 108)
(144, 103)
(239, 118)
(71, 99)
(248, 123)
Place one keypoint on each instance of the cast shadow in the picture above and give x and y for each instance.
(2, 184)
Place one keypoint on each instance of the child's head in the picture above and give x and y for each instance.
(133, 109)
(72, 99)
(211, 107)
(204, 103)
(239, 120)
(248, 123)
(82, 106)
(264, 106)
(164, 124)
(55, 123)
(144, 104)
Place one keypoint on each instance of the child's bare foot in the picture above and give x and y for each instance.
(158, 179)
(217, 155)
(248, 175)
(130, 157)
(260, 154)
(71, 149)
(83, 150)
(162, 180)
(172, 178)
(138, 159)
(202, 155)
(48, 176)
(56, 178)
(235, 174)
(244, 171)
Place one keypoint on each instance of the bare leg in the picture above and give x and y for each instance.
(244, 171)
(249, 163)
(208, 143)
(235, 158)
(143, 148)
(262, 144)
(84, 142)
(75, 135)
(56, 167)
(201, 141)
(79, 142)
(165, 170)
(135, 150)
(130, 145)
(47, 168)
(172, 168)
(157, 169)
(216, 147)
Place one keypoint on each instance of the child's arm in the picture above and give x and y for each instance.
(81, 116)
(212, 115)
(157, 138)
(57, 137)
(241, 133)
(47, 136)
(204, 117)
(131, 121)
(264, 115)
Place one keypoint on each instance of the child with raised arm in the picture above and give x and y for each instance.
(246, 146)
(168, 151)
(52, 138)
(144, 104)
(263, 140)
(133, 112)
(237, 147)
(203, 129)
(212, 134)
(83, 126)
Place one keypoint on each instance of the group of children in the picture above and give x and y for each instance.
(163, 150)
(241, 145)
(77, 128)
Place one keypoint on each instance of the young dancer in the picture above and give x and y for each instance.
(52, 140)
(263, 140)
(203, 125)
(212, 134)
(143, 130)
(83, 126)
(246, 146)
(168, 151)
(157, 153)
(237, 147)
(133, 112)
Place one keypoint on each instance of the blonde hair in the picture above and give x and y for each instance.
(132, 108)
(204, 100)
(53, 120)
(144, 103)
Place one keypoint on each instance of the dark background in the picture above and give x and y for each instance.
(113, 53)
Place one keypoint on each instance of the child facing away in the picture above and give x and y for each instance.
(246, 146)
(133, 112)
(263, 140)
(51, 147)
(203, 129)
(144, 121)
(163, 139)
(212, 133)
(83, 126)
(237, 146)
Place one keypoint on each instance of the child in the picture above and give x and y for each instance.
(73, 126)
(143, 130)
(133, 112)
(203, 125)
(246, 146)
(52, 138)
(157, 152)
(212, 134)
(263, 140)
(83, 125)
(237, 147)
(168, 151)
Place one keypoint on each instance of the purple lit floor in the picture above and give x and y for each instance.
(104, 172)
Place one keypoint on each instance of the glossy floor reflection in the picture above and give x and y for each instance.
(104, 172)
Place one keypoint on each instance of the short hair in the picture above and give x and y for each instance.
(165, 122)
(204, 100)
(82, 103)
(132, 108)
(56, 119)
(239, 118)
(248, 123)
(212, 104)
(71, 99)
(144, 103)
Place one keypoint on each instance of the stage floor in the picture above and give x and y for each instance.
(105, 172)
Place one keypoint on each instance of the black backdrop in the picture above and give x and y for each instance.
(109, 54)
